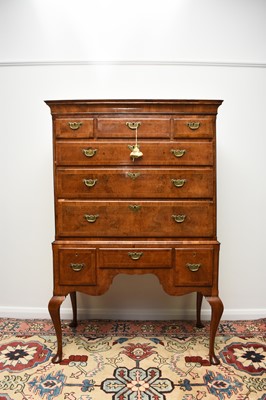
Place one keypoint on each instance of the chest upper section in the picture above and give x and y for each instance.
(134, 168)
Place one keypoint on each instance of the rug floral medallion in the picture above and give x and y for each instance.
(129, 360)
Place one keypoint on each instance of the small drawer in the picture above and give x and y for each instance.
(135, 258)
(194, 127)
(181, 153)
(123, 128)
(193, 267)
(74, 128)
(77, 267)
(134, 183)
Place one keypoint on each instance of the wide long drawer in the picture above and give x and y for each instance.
(139, 219)
(134, 183)
(118, 153)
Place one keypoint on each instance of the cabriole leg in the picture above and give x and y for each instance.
(217, 311)
(73, 297)
(199, 324)
(54, 310)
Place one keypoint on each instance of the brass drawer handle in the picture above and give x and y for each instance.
(133, 125)
(193, 267)
(193, 125)
(133, 175)
(179, 218)
(90, 182)
(178, 152)
(77, 267)
(74, 125)
(178, 182)
(91, 218)
(134, 207)
(89, 152)
(135, 255)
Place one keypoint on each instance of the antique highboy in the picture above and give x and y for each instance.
(135, 193)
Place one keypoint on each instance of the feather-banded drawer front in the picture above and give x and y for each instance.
(134, 183)
(134, 258)
(194, 267)
(125, 127)
(135, 219)
(76, 128)
(194, 127)
(86, 153)
(77, 266)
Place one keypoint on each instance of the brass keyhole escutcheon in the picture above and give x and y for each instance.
(133, 125)
(134, 207)
(135, 255)
(133, 175)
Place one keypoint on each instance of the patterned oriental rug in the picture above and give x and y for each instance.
(132, 360)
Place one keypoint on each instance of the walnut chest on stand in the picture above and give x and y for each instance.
(135, 193)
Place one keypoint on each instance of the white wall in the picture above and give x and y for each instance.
(212, 49)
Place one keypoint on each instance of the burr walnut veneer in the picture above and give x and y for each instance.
(135, 193)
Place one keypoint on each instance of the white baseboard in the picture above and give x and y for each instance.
(130, 314)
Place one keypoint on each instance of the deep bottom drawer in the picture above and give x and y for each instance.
(135, 218)
(194, 267)
(77, 267)
(135, 258)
